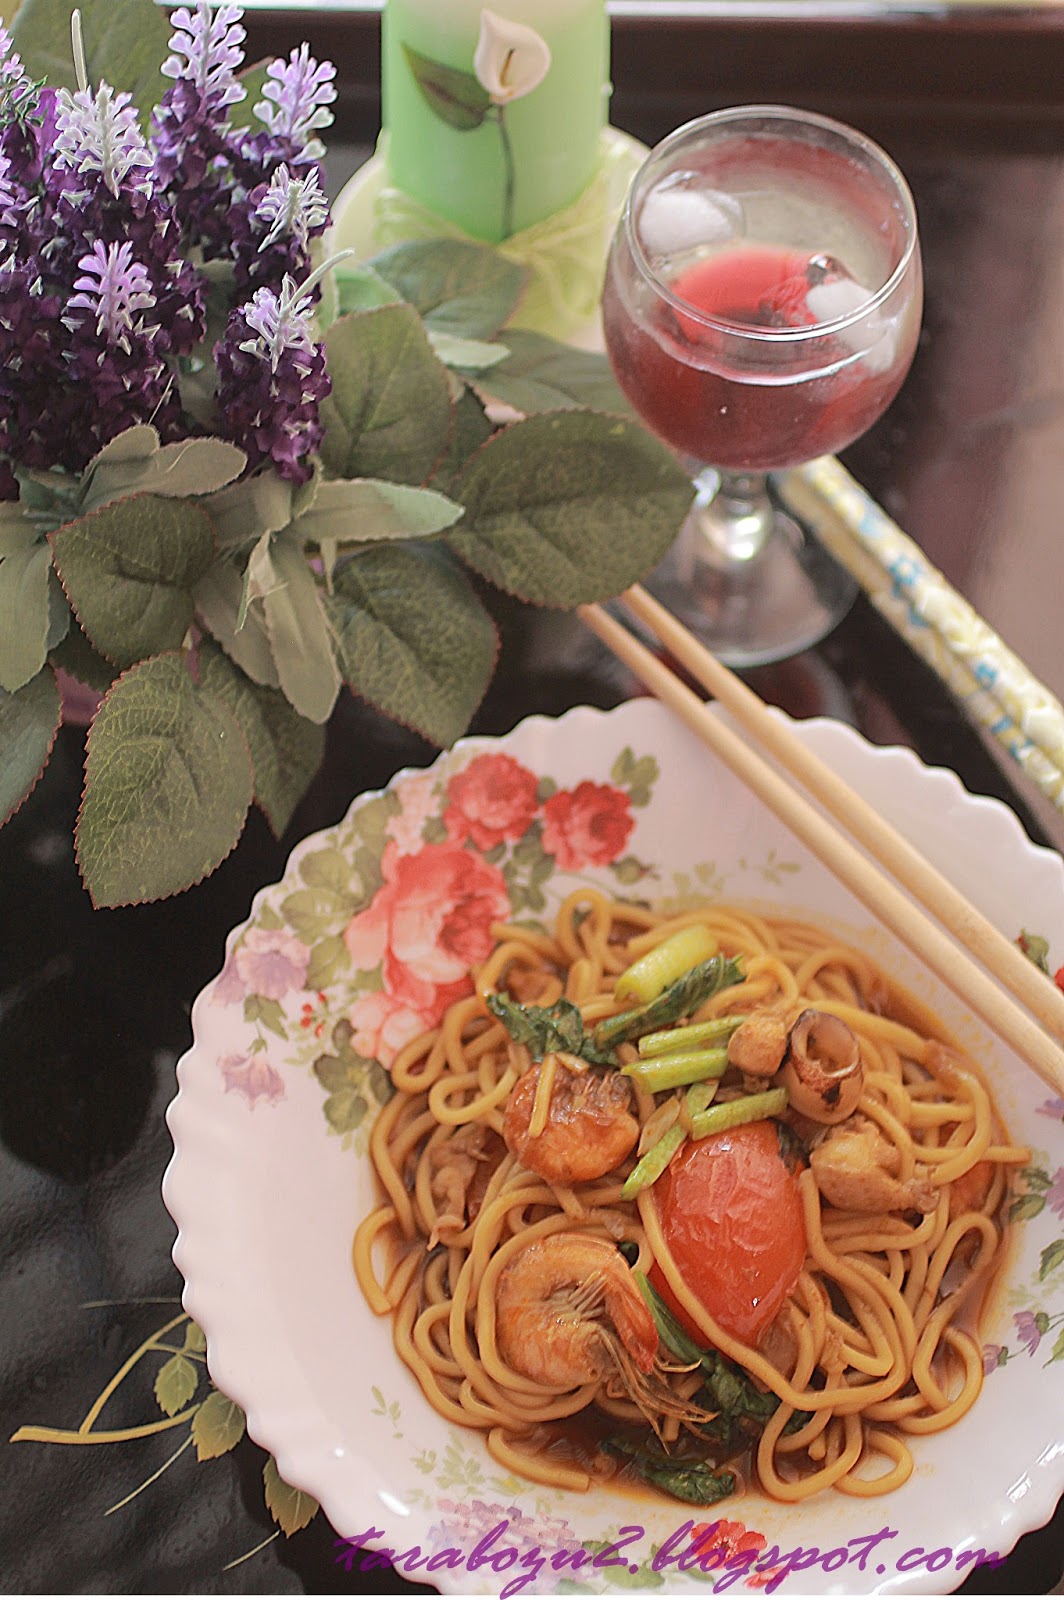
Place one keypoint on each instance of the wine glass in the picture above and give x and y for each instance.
(761, 307)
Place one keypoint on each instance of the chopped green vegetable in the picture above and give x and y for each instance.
(547, 1028)
(728, 1391)
(692, 1481)
(672, 1040)
(680, 999)
(733, 1113)
(667, 961)
(671, 1072)
(1036, 949)
(649, 1167)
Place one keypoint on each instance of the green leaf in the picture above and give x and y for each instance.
(195, 1338)
(463, 289)
(541, 374)
(242, 512)
(286, 750)
(637, 776)
(29, 722)
(136, 463)
(366, 510)
(414, 639)
(328, 958)
(218, 598)
(389, 413)
(299, 632)
(569, 507)
(217, 1427)
(129, 571)
(167, 787)
(1052, 1257)
(313, 914)
(24, 608)
(290, 1508)
(681, 999)
(1026, 1207)
(471, 355)
(125, 44)
(1057, 1352)
(470, 430)
(75, 655)
(543, 1029)
(458, 98)
(692, 1481)
(346, 1110)
(360, 288)
(260, 1008)
(326, 869)
(175, 1384)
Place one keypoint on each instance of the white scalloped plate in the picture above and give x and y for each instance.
(267, 1192)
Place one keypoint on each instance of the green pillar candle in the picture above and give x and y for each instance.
(494, 115)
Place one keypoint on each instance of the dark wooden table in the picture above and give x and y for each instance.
(94, 1007)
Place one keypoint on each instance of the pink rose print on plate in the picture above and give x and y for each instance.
(253, 1077)
(491, 800)
(417, 803)
(271, 961)
(588, 826)
(427, 925)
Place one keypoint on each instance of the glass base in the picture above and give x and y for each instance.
(755, 593)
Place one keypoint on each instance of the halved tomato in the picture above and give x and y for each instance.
(731, 1213)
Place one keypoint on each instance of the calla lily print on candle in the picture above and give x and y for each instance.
(510, 61)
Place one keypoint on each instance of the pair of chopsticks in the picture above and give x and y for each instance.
(906, 905)
(997, 689)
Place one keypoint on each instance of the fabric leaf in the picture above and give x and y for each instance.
(286, 749)
(29, 722)
(414, 639)
(188, 467)
(364, 510)
(129, 571)
(569, 507)
(389, 413)
(24, 609)
(125, 44)
(460, 288)
(541, 374)
(167, 786)
(175, 1384)
(299, 632)
(218, 599)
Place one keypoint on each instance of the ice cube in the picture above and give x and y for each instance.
(680, 213)
(874, 337)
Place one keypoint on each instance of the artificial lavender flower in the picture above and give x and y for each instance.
(272, 380)
(99, 133)
(207, 53)
(271, 239)
(115, 289)
(297, 94)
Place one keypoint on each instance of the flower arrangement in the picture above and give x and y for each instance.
(239, 478)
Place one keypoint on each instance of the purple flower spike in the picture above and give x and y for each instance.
(115, 289)
(207, 52)
(100, 133)
(272, 381)
(1028, 1330)
(296, 96)
(18, 92)
(291, 208)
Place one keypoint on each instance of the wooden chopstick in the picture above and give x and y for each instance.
(995, 1005)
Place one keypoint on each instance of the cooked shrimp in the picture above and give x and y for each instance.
(569, 1313)
(589, 1129)
(855, 1169)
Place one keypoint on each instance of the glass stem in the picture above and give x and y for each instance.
(734, 515)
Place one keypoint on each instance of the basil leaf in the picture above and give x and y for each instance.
(547, 1028)
(1036, 949)
(692, 1481)
(681, 999)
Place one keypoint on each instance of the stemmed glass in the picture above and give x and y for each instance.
(761, 308)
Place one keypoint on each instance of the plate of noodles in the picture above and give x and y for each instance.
(578, 1188)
